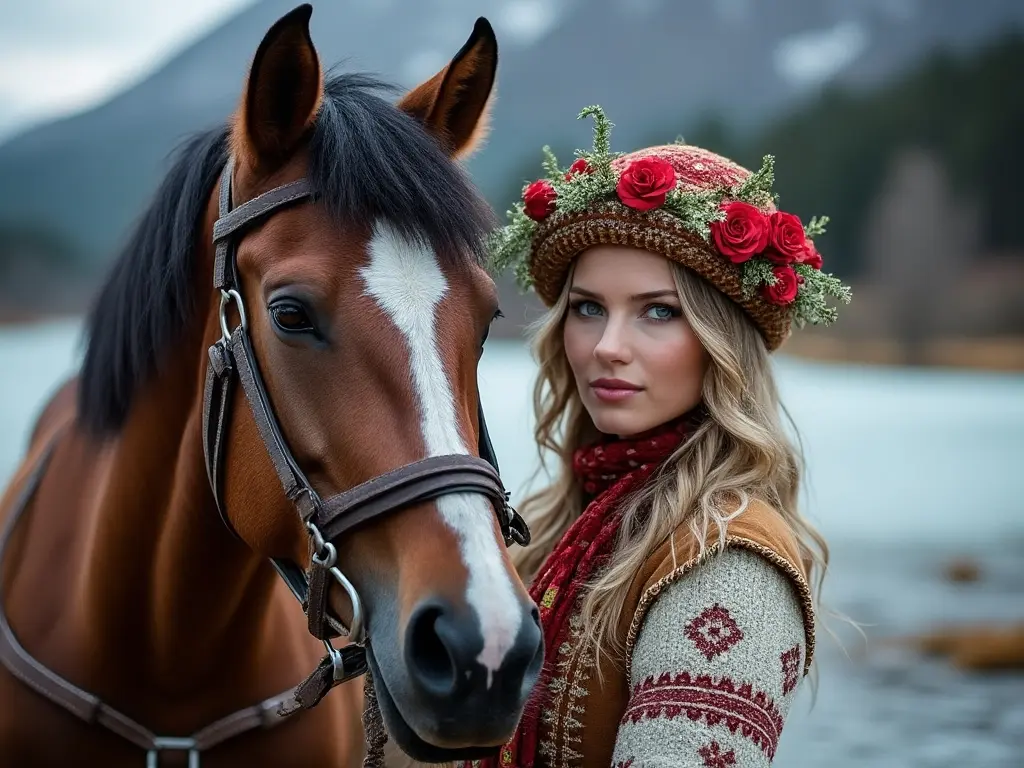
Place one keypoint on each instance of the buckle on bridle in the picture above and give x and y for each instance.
(324, 553)
(337, 661)
(325, 556)
(518, 530)
(172, 744)
(226, 297)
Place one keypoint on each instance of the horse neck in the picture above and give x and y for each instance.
(164, 572)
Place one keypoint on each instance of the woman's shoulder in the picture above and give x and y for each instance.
(758, 541)
(756, 526)
(725, 644)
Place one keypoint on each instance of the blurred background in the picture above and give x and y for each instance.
(901, 119)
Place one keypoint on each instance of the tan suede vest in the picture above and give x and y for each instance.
(585, 709)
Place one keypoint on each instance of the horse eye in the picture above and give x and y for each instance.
(290, 317)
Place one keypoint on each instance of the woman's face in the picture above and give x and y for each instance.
(636, 361)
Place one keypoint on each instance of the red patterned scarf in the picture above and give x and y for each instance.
(609, 470)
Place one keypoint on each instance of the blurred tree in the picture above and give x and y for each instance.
(919, 239)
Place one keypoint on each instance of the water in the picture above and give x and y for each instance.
(34, 359)
(906, 469)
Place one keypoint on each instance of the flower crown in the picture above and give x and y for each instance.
(774, 250)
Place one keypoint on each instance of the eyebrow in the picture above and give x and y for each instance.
(635, 297)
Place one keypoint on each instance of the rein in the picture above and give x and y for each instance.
(232, 361)
(89, 707)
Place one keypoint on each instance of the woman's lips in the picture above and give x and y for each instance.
(614, 390)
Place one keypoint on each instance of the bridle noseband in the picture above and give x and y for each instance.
(232, 359)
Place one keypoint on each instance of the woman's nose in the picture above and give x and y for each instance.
(613, 346)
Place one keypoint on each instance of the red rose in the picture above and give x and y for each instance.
(539, 198)
(742, 234)
(579, 166)
(810, 256)
(646, 182)
(787, 283)
(787, 238)
(776, 258)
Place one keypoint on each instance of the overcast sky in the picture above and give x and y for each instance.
(58, 56)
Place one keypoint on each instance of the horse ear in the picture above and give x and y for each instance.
(454, 103)
(283, 93)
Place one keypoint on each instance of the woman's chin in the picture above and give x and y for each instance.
(619, 422)
(406, 738)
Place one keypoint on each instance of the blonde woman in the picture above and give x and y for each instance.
(669, 558)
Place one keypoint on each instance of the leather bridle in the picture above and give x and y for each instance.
(232, 359)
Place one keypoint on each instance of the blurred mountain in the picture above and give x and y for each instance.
(648, 62)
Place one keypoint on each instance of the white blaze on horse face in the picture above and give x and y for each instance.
(404, 278)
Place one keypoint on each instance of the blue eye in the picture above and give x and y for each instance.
(587, 308)
(661, 312)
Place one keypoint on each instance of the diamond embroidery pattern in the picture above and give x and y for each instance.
(714, 631)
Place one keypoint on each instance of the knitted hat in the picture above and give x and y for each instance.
(685, 203)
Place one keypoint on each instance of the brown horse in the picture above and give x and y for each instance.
(365, 310)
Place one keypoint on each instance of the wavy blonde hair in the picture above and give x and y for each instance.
(739, 452)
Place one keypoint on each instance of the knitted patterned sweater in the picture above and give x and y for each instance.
(711, 643)
(716, 645)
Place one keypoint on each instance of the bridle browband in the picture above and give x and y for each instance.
(231, 359)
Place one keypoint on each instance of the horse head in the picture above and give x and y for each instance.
(366, 307)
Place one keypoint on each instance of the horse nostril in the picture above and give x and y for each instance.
(428, 655)
(445, 661)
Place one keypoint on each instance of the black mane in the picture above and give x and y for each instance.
(368, 160)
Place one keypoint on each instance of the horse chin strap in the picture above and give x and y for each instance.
(232, 360)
